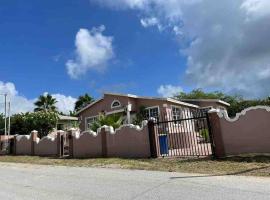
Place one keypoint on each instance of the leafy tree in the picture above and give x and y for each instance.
(2, 124)
(237, 102)
(114, 120)
(45, 103)
(83, 101)
(24, 123)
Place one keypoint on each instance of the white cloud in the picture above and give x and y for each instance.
(123, 4)
(169, 90)
(64, 103)
(229, 46)
(151, 21)
(20, 103)
(93, 51)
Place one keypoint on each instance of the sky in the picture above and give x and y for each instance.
(142, 47)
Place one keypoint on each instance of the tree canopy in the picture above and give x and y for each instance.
(237, 102)
(83, 101)
(46, 103)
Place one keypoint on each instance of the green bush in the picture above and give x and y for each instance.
(41, 121)
(114, 120)
(205, 134)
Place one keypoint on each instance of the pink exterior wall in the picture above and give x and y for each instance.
(249, 132)
(129, 143)
(102, 105)
(87, 145)
(47, 146)
(23, 145)
(105, 105)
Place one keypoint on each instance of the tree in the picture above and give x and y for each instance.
(83, 101)
(2, 124)
(237, 103)
(200, 94)
(46, 103)
(41, 121)
(114, 120)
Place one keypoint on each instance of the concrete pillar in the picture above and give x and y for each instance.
(59, 146)
(104, 142)
(70, 140)
(154, 144)
(15, 144)
(33, 138)
(219, 149)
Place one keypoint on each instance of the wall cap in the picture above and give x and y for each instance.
(110, 129)
(224, 114)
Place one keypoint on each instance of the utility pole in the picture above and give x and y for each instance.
(5, 96)
(9, 118)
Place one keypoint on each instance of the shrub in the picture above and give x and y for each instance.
(110, 120)
(24, 123)
(205, 134)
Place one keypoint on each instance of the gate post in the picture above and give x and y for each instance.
(70, 140)
(219, 149)
(103, 132)
(152, 139)
(15, 145)
(59, 143)
(33, 137)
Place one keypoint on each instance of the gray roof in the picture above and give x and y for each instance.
(68, 118)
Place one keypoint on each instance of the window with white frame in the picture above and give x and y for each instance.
(115, 104)
(89, 122)
(151, 112)
(176, 114)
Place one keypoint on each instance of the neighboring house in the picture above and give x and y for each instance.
(129, 105)
(208, 103)
(66, 122)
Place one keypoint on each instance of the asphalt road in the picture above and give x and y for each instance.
(23, 181)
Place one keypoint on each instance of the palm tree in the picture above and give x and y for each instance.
(45, 103)
(83, 101)
(114, 120)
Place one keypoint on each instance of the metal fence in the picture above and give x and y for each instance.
(184, 132)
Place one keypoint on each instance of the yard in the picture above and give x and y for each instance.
(251, 165)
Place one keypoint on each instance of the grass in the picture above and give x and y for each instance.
(254, 165)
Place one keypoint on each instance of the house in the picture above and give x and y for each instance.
(129, 105)
(66, 122)
(208, 103)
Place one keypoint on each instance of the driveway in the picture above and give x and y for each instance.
(24, 181)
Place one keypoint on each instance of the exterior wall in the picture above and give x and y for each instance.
(47, 146)
(248, 132)
(23, 145)
(129, 142)
(105, 105)
(87, 145)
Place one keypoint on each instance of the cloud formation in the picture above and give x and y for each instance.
(169, 90)
(93, 51)
(226, 43)
(20, 103)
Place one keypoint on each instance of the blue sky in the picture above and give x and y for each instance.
(144, 47)
(39, 39)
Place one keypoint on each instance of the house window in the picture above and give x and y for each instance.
(176, 114)
(89, 122)
(152, 112)
(115, 104)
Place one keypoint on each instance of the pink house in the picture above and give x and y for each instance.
(129, 105)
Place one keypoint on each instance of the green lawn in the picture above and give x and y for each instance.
(254, 165)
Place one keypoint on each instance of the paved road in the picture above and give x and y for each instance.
(20, 181)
